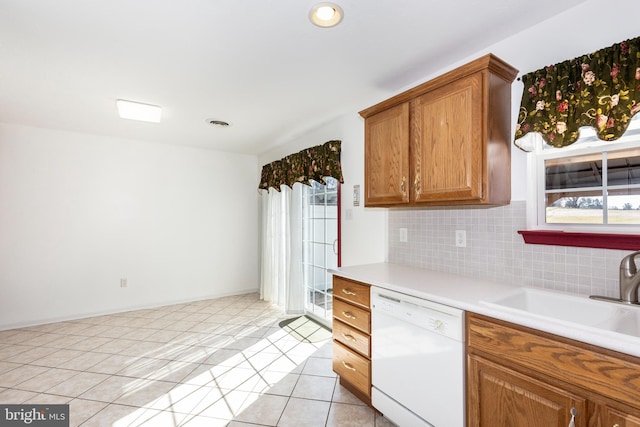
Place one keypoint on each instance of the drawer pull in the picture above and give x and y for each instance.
(348, 337)
(616, 425)
(348, 366)
(348, 315)
(574, 412)
(348, 292)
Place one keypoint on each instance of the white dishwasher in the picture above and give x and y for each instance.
(417, 360)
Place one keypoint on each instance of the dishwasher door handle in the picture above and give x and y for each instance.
(383, 296)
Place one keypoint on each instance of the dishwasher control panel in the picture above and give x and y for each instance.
(438, 318)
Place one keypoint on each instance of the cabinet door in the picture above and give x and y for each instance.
(615, 418)
(500, 397)
(448, 144)
(386, 157)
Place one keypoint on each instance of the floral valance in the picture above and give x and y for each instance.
(313, 163)
(601, 90)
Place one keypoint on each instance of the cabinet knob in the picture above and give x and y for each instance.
(416, 185)
(348, 315)
(403, 184)
(616, 425)
(348, 292)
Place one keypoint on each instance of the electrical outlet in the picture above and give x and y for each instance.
(403, 235)
(123, 282)
(461, 238)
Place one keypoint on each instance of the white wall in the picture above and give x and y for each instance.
(80, 212)
(363, 237)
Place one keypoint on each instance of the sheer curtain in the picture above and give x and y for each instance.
(281, 187)
(281, 280)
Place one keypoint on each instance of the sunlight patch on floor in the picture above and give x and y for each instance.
(223, 390)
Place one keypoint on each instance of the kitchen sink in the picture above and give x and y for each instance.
(569, 309)
(627, 323)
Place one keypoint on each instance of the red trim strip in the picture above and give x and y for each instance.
(339, 224)
(582, 240)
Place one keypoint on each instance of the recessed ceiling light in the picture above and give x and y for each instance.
(137, 111)
(326, 15)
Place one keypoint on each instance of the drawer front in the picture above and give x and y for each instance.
(586, 366)
(354, 292)
(352, 367)
(351, 337)
(352, 315)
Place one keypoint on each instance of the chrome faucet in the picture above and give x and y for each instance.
(629, 279)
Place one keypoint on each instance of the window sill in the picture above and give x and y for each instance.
(582, 240)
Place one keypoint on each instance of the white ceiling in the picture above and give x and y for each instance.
(258, 64)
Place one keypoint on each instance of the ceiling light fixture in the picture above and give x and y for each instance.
(137, 111)
(326, 15)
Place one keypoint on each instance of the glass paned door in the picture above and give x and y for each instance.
(320, 245)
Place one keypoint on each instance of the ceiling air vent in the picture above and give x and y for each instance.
(218, 123)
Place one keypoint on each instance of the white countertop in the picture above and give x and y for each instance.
(467, 293)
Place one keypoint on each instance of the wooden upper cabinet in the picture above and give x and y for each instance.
(616, 418)
(387, 157)
(447, 145)
(455, 132)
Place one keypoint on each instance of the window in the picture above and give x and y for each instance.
(591, 185)
(600, 188)
(320, 223)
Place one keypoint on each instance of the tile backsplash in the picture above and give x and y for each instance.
(496, 251)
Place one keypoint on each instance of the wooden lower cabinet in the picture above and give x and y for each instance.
(352, 336)
(521, 377)
(505, 398)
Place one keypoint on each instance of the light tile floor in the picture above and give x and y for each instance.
(217, 362)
